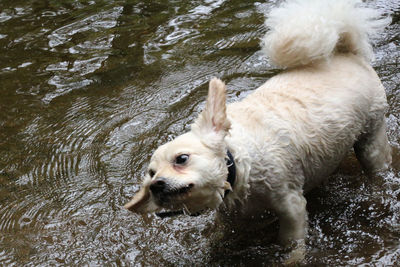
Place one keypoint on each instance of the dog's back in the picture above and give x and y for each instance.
(313, 115)
(328, 98)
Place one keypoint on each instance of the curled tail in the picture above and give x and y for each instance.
(305, 31)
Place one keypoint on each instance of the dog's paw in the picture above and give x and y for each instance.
(296, 255)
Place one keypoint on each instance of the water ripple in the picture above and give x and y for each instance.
(97, 22)
(69, 76)
(179, 28)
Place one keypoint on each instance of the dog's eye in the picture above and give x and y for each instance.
(151, 172)
(181, 159)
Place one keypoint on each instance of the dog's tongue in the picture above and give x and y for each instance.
(138, 200)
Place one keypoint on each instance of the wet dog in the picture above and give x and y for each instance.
(266, 151)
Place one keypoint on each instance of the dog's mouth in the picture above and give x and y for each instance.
(161, 196)
(169, 197)
(177, 201)
(181, 191)
(174, 201)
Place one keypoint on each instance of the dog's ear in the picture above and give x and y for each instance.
(212, 125)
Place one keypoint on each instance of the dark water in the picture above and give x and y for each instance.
(88, 89)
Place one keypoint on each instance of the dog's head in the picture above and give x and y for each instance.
(189, 173)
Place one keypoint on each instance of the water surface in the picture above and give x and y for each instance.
(90, 88)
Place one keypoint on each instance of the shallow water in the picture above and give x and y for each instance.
(89, 89)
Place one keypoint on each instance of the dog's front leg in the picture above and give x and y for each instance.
(291, 210)
(293, 224)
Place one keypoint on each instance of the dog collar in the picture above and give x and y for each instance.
(230, 162)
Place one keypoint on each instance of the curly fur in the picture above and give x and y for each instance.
(304, 31)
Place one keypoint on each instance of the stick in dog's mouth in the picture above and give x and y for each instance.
(138, 200)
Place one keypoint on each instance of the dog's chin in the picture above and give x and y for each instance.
(191, 202)
(172, 202)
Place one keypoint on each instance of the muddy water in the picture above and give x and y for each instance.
(90, 88)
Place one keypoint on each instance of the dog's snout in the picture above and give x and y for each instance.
(158, 185)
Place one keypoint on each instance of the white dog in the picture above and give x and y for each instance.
(266, 151)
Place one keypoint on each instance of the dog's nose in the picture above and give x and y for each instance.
(158, 185)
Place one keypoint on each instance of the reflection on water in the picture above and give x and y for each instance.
(89, 89)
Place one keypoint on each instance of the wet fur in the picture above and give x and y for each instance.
(289, 134)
